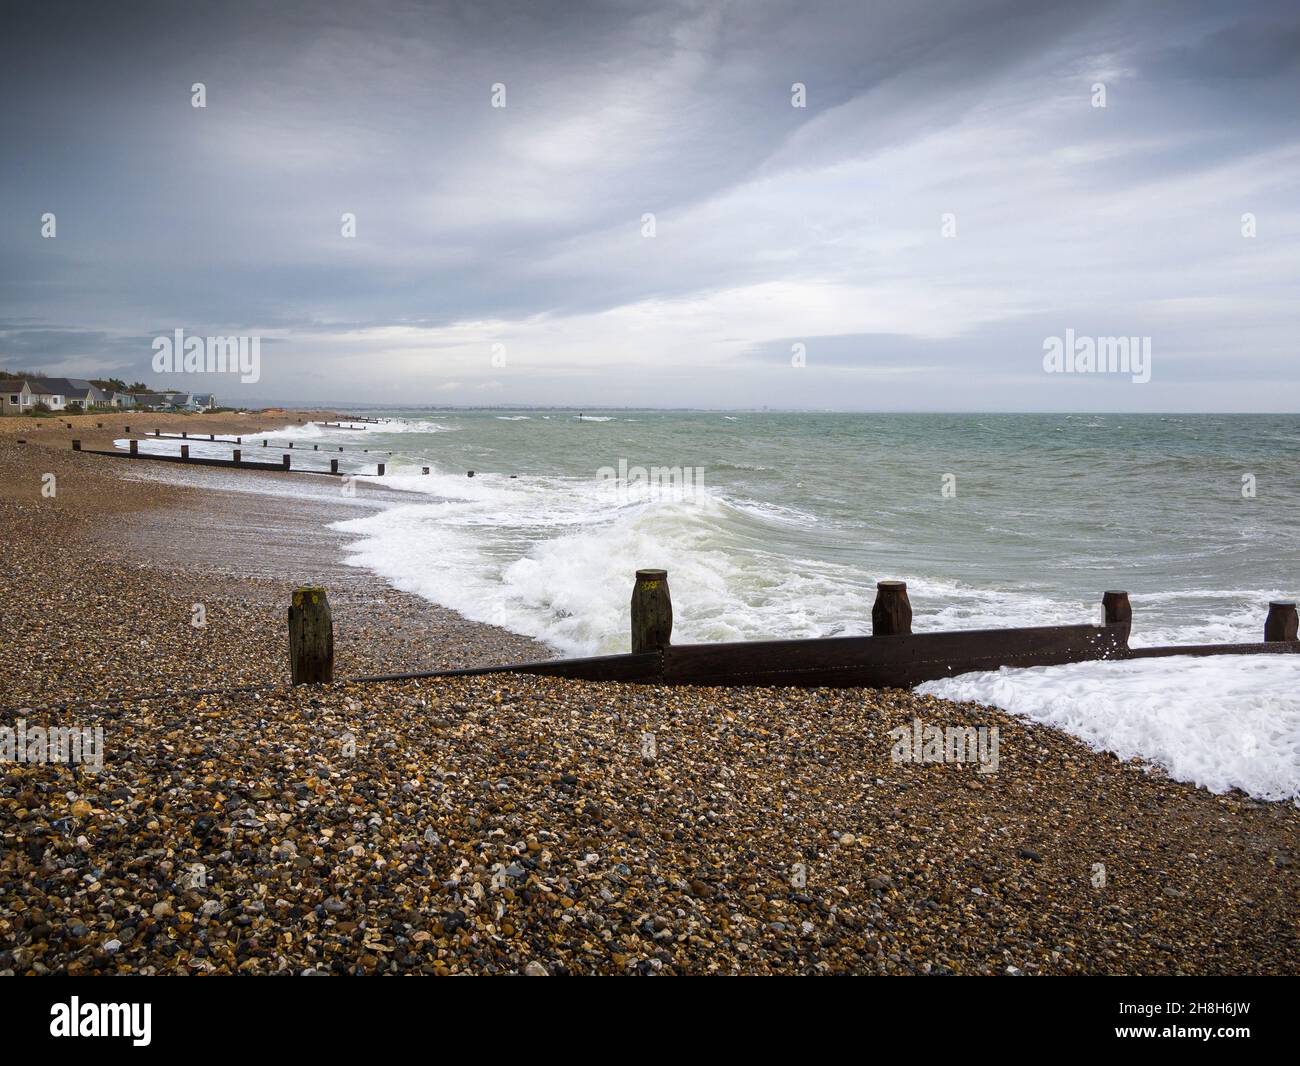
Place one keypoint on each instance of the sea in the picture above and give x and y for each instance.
(779, 524)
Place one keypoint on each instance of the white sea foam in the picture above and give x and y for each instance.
(1223, 722)
(554, 558)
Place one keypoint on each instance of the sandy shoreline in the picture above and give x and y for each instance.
(508, 824)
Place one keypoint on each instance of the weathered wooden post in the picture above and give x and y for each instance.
(185, 451)
(1118, 613)
(652, 611)
(99, 425)
(184, 434)
(291, 444)
(157, 432)
(424, 470)
(469, 473)
(135, 447)
(76, 445)
(265, 442)
(238, 453)
(1282, 622)
(334, 466)
(212, 436)
(315, 447)
(311, 637)
(891, 614)
(126, 429)
(381, 470)
(284, 461)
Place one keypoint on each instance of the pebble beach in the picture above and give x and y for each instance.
(505, 824)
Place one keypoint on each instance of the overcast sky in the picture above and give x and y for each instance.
(774, 225)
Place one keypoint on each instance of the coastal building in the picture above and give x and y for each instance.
(164, 401)
(20, 395)
(43, 392)
(15, 396)
(77, 392)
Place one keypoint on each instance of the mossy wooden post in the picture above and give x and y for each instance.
(334, 466)
(284, 461)
(1118, 613)
(381, 470)
(135, 447)
(891, 614)
(311, 637)
(1282, 622)
(652, 611)
(76, 445)
(237, 456)
(185, 451)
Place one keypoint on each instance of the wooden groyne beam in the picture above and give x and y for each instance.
(236, 461)
(211, 438)
(268, 442)
(892, 657)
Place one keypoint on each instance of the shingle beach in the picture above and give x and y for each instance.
(508, 824)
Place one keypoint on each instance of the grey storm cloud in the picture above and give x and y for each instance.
(525, 226)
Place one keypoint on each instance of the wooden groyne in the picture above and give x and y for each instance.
(266, 442)
(235, 462)
(892, 657)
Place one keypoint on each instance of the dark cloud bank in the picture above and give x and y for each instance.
(949, 197)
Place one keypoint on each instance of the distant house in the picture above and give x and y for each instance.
(15, 396)
(122, 399)
(202, 401)
(46, 393)
(77, 392)
(164, 401)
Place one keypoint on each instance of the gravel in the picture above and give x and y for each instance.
(518, 825)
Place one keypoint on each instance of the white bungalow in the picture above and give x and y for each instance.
(46, 394)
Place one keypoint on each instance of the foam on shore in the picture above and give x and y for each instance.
(1220, 721)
